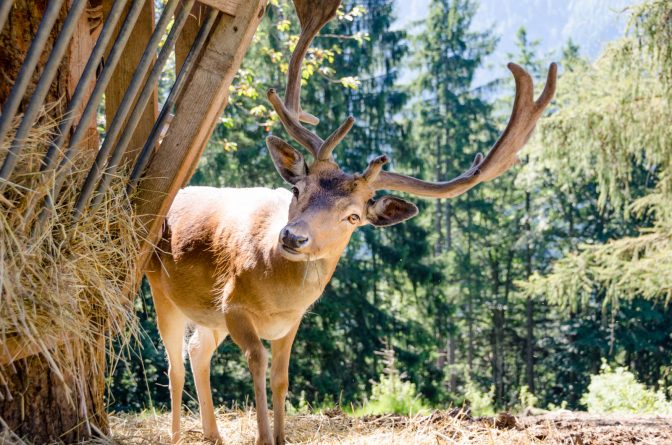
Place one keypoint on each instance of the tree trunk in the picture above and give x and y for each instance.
(470, 301)
(448, 215)
(529, 304)
(452, 346)
(35, 403)
(438, 247)
(497, 332)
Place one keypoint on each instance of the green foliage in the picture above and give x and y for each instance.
(652, 26)
(617, 391)
(392, 394)
(527, 399)
(480, 403)
(613, 123)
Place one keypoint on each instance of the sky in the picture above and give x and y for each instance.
(590, 23)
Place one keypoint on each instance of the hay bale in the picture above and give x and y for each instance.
(65, 289)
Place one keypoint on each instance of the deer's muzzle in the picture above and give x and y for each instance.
(292, 239)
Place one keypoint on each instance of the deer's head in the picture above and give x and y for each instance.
(328, 203)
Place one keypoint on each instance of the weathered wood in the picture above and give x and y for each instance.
(15, 39)
(189, 31)
(42, 407)
(123, 74)
(81, 45)
(35, 402)
(226, 6)
(14, 348)
(196, 115)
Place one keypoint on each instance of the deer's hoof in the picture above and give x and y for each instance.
(279, 440)
(264, 441)
(214, 438)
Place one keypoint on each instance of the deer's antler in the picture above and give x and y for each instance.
(503, 155)
(313, 15)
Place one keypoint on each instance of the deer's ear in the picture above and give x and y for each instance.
(289, 162)
(389, 210)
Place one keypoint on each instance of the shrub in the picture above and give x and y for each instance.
(480, 403)
(617, 391)
(527, 398)
(392, 394)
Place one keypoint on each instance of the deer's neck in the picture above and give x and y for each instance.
(306, 279)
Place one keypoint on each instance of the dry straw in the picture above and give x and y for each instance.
(239, 427)
(64, 289)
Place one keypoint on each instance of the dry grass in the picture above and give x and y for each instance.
(440, 427)
(64, 288)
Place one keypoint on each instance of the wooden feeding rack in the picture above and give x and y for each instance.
(87, 51)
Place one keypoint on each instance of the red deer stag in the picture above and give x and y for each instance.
(249, 262)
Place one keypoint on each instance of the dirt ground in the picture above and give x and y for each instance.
(441, 427)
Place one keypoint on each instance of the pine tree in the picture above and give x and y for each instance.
(450, 127)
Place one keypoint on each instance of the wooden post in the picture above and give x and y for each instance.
(196, 115)
(122, 77)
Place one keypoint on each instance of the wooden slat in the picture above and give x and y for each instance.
(15, 348)
(189, 31)
(81, 45)
(227, 6)
(124, 72)
(196, 115)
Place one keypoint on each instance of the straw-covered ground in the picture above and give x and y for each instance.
(440, 427)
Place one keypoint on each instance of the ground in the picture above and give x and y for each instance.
(441, 427)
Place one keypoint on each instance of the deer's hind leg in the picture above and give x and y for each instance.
(202, 345)
(171, 323)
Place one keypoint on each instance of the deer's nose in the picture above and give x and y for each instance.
(291, 239)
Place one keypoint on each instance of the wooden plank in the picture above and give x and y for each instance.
(14, 348)
(205, 96)
(124, 72)
(186, 38)
(81, 45)
(226, 6)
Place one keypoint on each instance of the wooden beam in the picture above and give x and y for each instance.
(123, 73)
(226, 6)
(186, 38)
(15, 348)
(81, 45)
(198, 111)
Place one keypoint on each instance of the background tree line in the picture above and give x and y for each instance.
(523, 284)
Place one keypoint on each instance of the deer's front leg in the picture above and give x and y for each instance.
(244, 334)
(281, 350)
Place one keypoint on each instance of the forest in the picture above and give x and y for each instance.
(527, 292)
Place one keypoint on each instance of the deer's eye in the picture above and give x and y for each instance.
(295, 192)
(353, 219)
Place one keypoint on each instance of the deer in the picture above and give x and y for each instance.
(248, 263)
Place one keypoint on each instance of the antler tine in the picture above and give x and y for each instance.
(312, 19)
(301, 134)
(526, 112)
(332, 141)
(374, 168)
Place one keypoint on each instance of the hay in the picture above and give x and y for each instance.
(238, 427)
(64, 290)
